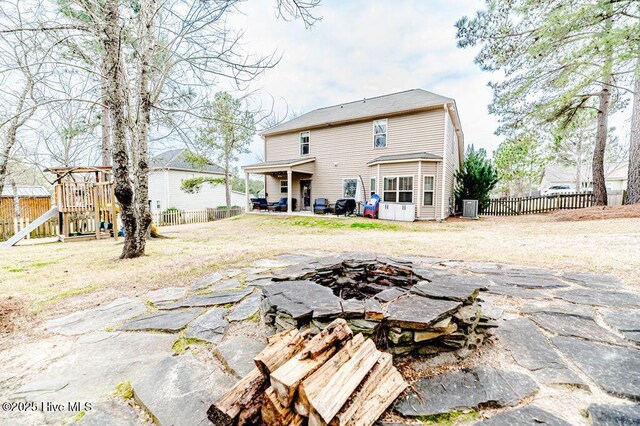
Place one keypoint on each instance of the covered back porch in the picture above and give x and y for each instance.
(293, 182)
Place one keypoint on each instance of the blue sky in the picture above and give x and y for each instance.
(366, 48)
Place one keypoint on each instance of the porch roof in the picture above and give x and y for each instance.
(401, 158)
(279, 165)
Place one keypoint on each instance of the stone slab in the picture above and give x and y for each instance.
(271, 263)
(179, 390)
(168, 321)
(530, 281)
(94, 365)
(417, 312)
(97, 319)
(390, 294)
(465, 389)
(572, 326)
(525, 416)
(301, 298)
(615, 369)
(614, 415)
(589, 280)
(600, 297)
(112, 412)
(519, 292)
(210, 299)
(246, 308)
(164, 294)
(209, 326)
(531, 350)
(207, 281)
(238, 353)
(626, 321)
(452, 287)
(224, 285)
(558, 307)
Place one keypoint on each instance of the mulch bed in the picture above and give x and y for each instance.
(598, 213)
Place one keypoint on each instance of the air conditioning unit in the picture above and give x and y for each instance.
(470, 209)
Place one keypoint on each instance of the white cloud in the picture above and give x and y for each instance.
(365, 48)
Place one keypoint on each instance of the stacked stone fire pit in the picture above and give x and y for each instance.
(403, 307)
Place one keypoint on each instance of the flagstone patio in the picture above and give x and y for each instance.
(565, 346)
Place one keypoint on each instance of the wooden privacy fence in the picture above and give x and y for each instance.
(542, 204)
(8, 228)
(181, 217)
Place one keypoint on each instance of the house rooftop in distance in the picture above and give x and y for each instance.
(174, 160)
(380, 106)
(27, 191)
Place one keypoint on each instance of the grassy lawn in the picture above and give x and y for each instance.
(51, 279)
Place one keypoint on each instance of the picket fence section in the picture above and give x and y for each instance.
(8, 228)
(532, 205)
(181, 217)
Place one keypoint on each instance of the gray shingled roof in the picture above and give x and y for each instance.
(174, 160)
(409, 100)
(26, 191)
(407, 156)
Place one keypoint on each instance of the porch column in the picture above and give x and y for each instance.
(289, 184)
(246, 192)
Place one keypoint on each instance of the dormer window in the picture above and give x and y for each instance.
(380, 133)
(304, 143)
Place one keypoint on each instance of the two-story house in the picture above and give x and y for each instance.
(404, 146)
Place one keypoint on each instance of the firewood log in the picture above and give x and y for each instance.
(246, 392)
(281, 347)
(339, 387)
(312, 385)
(376, 393)
(274, 414)
(285, 380)
(333, 335)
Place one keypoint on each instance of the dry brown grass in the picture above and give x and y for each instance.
(599, 213)
(58, 278)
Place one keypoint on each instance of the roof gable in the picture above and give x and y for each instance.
(394, 103)
(174, 159)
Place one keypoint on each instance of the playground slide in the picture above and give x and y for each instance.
(31, 227)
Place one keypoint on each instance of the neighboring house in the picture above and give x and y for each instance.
(166, 173)
(615, 176)
(404, 146)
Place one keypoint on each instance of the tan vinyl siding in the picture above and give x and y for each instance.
(452, 163)
(431, 168)
(343, 151)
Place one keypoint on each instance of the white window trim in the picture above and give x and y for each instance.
(398, 191)
(386, 133)
(350, 178)
(286, 182)
(433, 191)
(300, 143)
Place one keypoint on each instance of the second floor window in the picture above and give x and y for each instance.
(380, 133)
(304, 143)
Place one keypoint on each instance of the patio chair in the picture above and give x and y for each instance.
(345, 206)
(281, 206)
(259, 204)
(321, 206)
(372, 207)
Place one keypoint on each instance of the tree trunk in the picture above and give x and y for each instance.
(599, 187)
(143, 120)
(579, 168)
(106, 126)
(633, 182)
(227, 185)
(116, 103)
